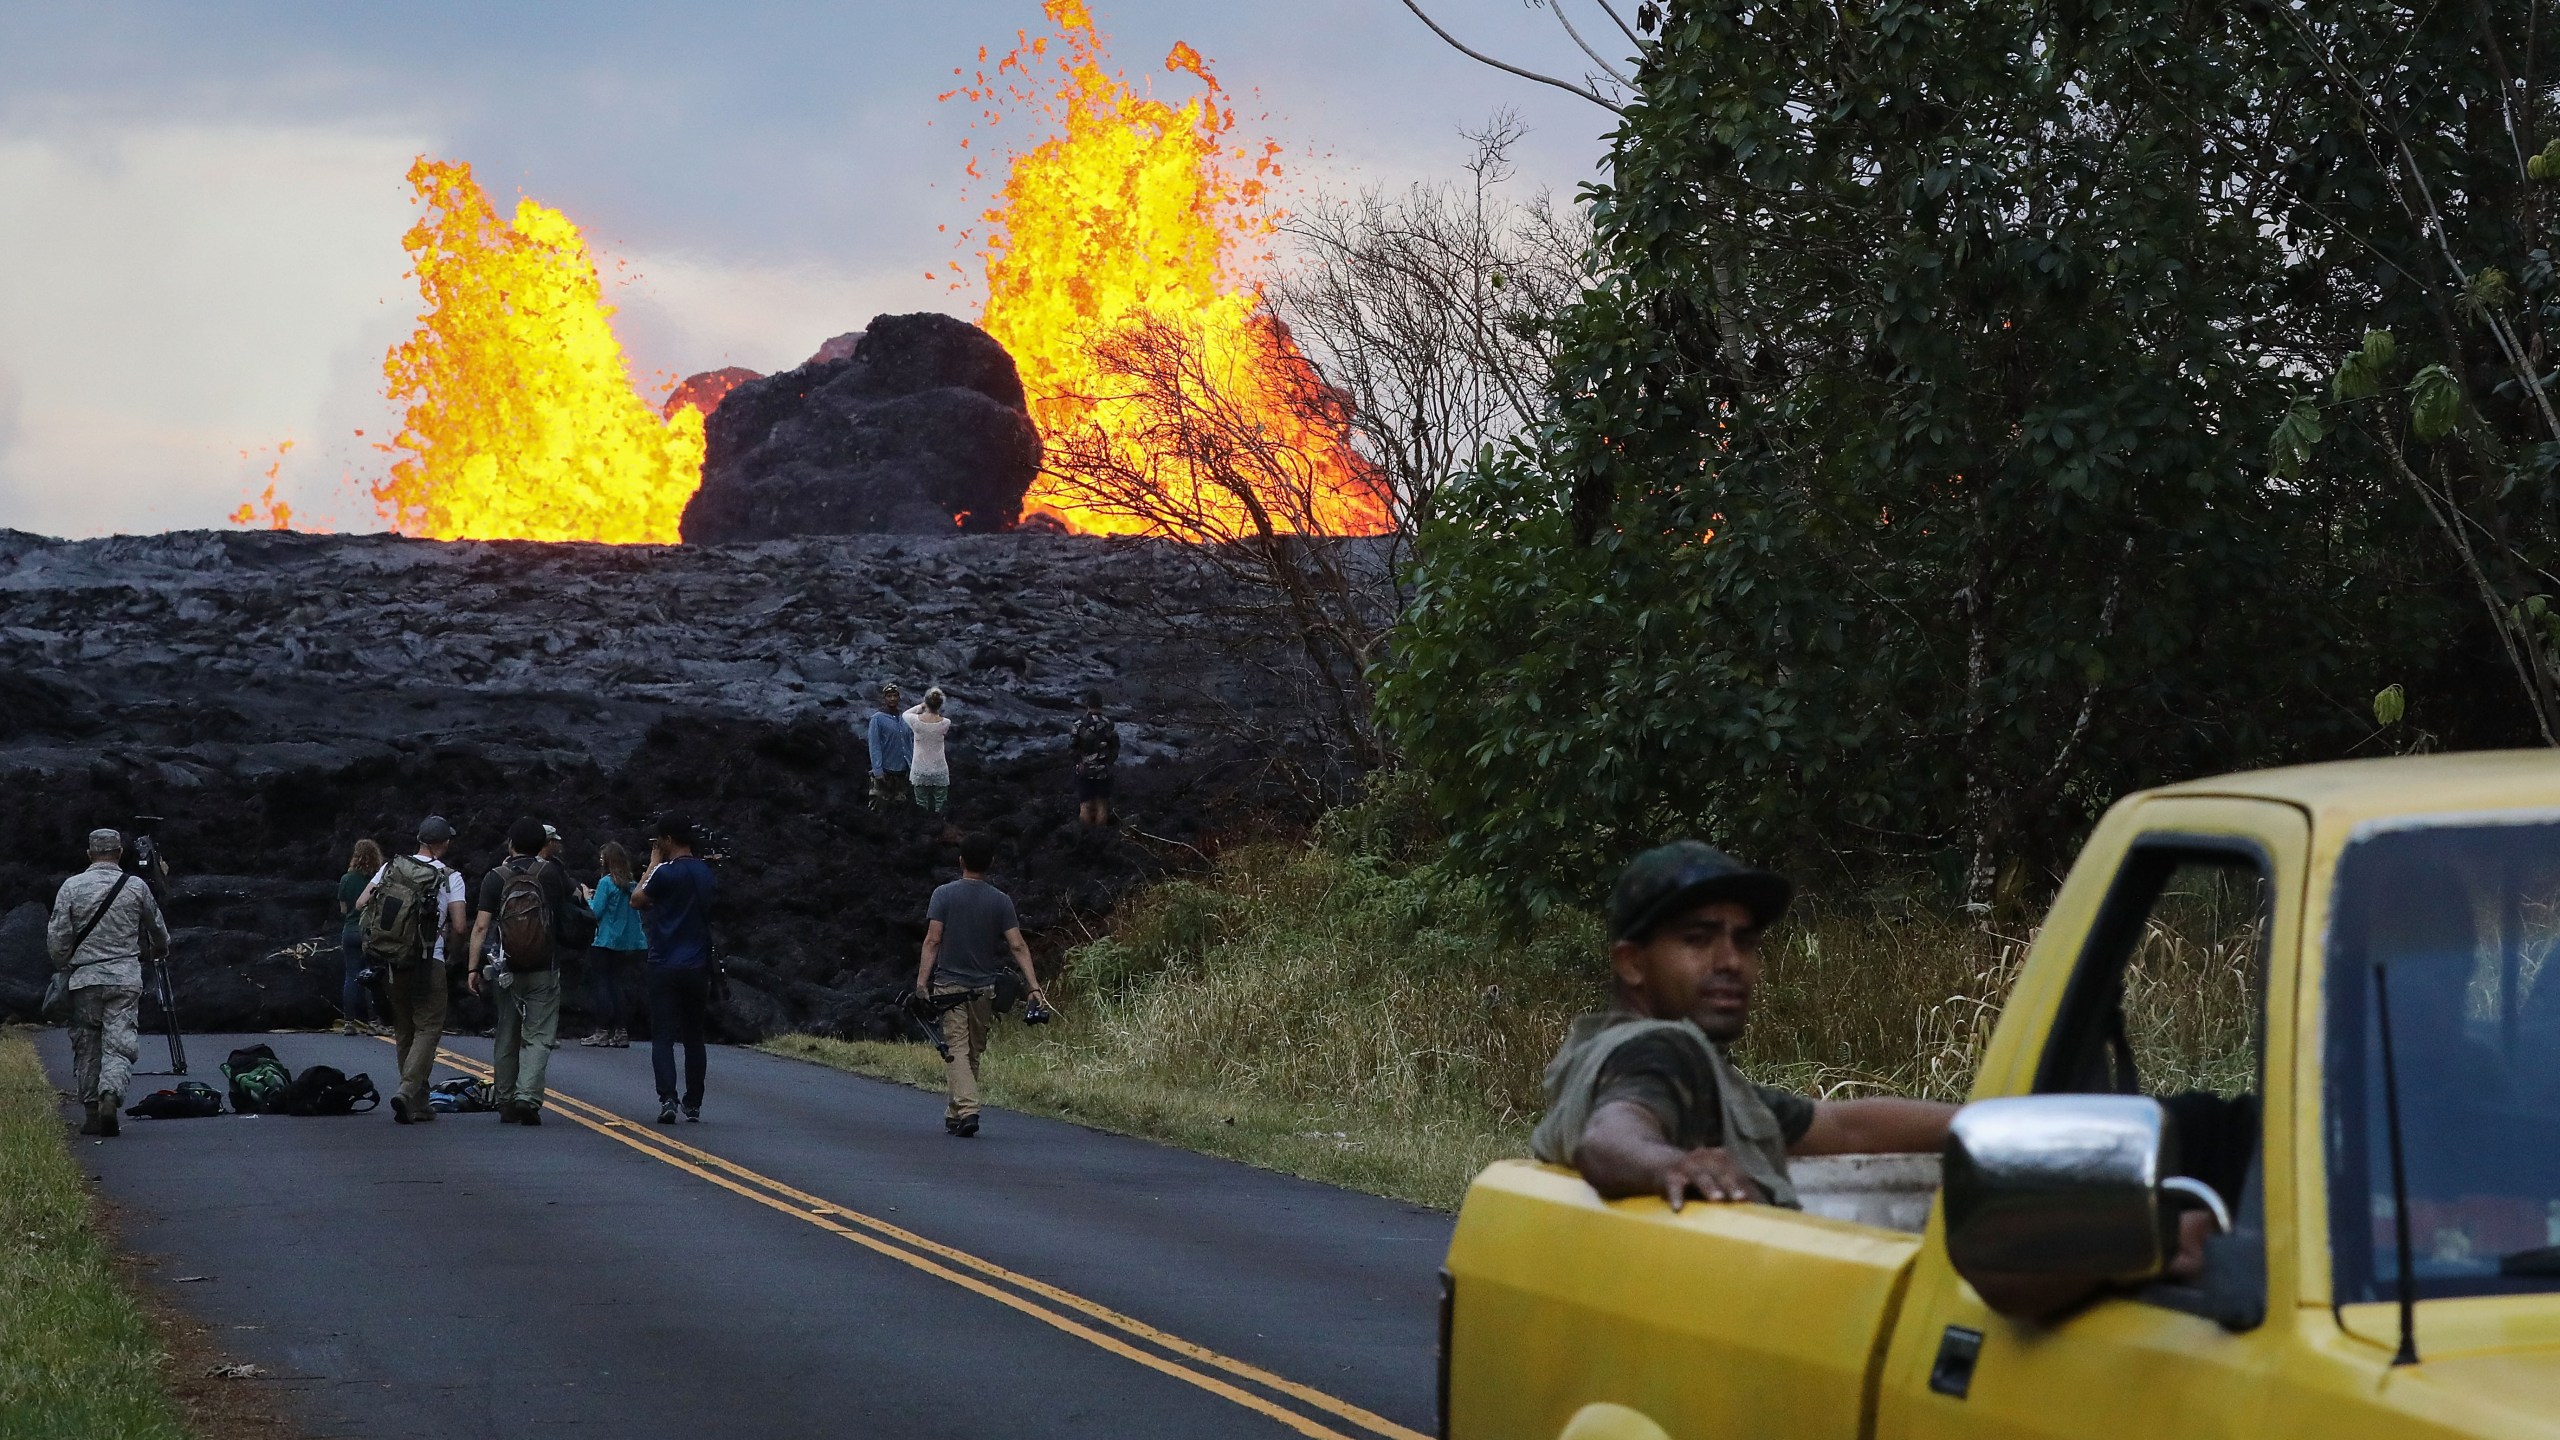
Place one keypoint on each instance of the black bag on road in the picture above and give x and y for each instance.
(327, 1090)
(192, 1100)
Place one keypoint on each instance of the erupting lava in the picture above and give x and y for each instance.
(1126, 234)
(522, 422)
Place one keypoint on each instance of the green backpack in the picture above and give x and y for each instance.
(400, 921)
(257, 1078)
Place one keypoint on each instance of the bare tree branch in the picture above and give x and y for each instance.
(1477, 55)
(1612, 12)
(1556, 7)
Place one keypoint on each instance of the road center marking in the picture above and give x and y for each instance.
(938, 1260)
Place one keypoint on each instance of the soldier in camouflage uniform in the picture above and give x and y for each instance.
(122, 920)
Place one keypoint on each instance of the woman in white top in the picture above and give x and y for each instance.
(930, 771)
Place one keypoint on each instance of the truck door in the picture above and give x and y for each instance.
(2159, 985)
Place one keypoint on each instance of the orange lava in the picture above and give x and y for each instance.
(522, 422)
(267, 512)
(1135, 210)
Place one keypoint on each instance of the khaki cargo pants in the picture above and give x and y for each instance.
(106, 1036)
(417, 1000)
(964, 1034)
(527, 1031)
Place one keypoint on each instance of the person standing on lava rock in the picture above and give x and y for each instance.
(522, 900)
(931, 771)
(414, 905)
(674, 900)
(102, 922)
(355, 1007)
(969, 925)
(1096, 745)
(892, 751)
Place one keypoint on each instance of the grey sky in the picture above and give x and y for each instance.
(201, 204)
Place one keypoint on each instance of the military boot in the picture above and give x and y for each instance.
(89, 1120)
(110, 1114)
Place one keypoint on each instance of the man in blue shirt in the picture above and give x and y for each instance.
(674, 901)
(892, 751)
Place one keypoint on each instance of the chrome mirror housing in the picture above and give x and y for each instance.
(2064, 1188)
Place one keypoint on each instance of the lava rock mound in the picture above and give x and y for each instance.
(922, 430)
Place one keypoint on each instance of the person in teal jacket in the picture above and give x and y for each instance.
(620, 945)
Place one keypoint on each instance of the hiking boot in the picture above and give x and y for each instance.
(528, 1114)
(621, 1039)
(110, 1114)
(666, 1112)
(508, 1114)
(400, 1109)
(89, 1117)
(962, 1127)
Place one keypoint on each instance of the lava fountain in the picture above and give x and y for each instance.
(1119, 261)
(521, 420)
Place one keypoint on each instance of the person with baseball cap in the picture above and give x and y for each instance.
(415, 986)
(1643, 1099)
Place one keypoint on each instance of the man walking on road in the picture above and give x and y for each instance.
(102, 922)
(674, 901)
(892, 751)
(411, 908)
(968, 926)
(522, 902)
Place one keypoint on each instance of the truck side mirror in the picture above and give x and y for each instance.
(2049, 1197)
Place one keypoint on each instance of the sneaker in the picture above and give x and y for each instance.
(400, 1109)
(666, 1112)
(598, 1040)
(693, 1113)
(621, 1039)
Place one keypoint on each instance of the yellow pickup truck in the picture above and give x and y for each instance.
(2378, 1159)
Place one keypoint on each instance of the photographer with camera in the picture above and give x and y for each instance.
(102, 923)
(674, 900)
(968, 926)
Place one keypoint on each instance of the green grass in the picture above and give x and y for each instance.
(77, 1357)
(1347, 1011)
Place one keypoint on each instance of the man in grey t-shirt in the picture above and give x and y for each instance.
(968, 927)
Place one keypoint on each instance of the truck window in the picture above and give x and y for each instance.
(2165, 1002)
(2460, 920)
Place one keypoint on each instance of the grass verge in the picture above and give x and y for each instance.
(1350, 1011)
(78, 1358)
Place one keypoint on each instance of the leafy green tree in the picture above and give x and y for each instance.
(1908, 495)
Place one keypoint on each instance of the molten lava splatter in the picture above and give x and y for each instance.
(522, 422)
(267, 512)
(1140, 218)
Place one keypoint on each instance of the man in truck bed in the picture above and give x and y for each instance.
(1642, 1099)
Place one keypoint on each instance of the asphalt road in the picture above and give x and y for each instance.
(816, 1258)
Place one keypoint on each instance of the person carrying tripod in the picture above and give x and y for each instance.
(969, 925)
(102, 921)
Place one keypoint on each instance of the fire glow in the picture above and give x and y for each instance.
(1137, 215)
(521, 419)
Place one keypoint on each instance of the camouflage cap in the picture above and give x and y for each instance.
(1668, 879)
(103, 840)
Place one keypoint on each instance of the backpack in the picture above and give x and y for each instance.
(401, 919)
(257, 1078)
(325, 1090)
(524, 918)
(462, 1096)
(192, 1100)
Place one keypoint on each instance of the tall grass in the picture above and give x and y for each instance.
(1349, 1010)
(77, 1358)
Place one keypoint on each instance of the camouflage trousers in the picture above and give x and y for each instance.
(106, 1035)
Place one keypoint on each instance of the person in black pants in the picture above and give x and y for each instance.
(674, 901)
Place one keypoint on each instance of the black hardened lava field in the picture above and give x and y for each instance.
(273, 697)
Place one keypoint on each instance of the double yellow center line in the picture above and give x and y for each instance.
(1097, 1325)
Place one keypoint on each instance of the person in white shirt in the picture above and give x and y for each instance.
(930, 772)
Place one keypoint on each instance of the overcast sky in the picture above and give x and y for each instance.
(201, 203)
